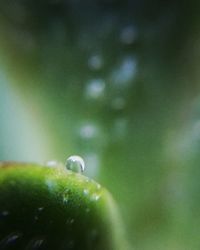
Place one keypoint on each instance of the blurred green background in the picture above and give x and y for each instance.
(116, 82)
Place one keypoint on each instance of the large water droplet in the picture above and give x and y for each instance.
(75, 163)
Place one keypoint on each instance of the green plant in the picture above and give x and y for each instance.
(54, 208)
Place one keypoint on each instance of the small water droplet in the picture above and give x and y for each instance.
(95, 88)
(75, 163)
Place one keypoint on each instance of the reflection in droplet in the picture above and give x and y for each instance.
(125, 73)
(95, 62)
(88, 131)
(95, 88)
(128, 35)
(75, 163)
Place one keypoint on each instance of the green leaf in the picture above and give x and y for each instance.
(53, 208)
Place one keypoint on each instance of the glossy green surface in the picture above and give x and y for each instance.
(53, 208)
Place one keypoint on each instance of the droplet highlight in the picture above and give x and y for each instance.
(75, 163)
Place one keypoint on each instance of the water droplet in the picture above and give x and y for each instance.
(128, 35)
(95, 88)
(95, 62)
(75, 163)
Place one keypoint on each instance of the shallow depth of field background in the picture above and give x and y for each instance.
(118, 83)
